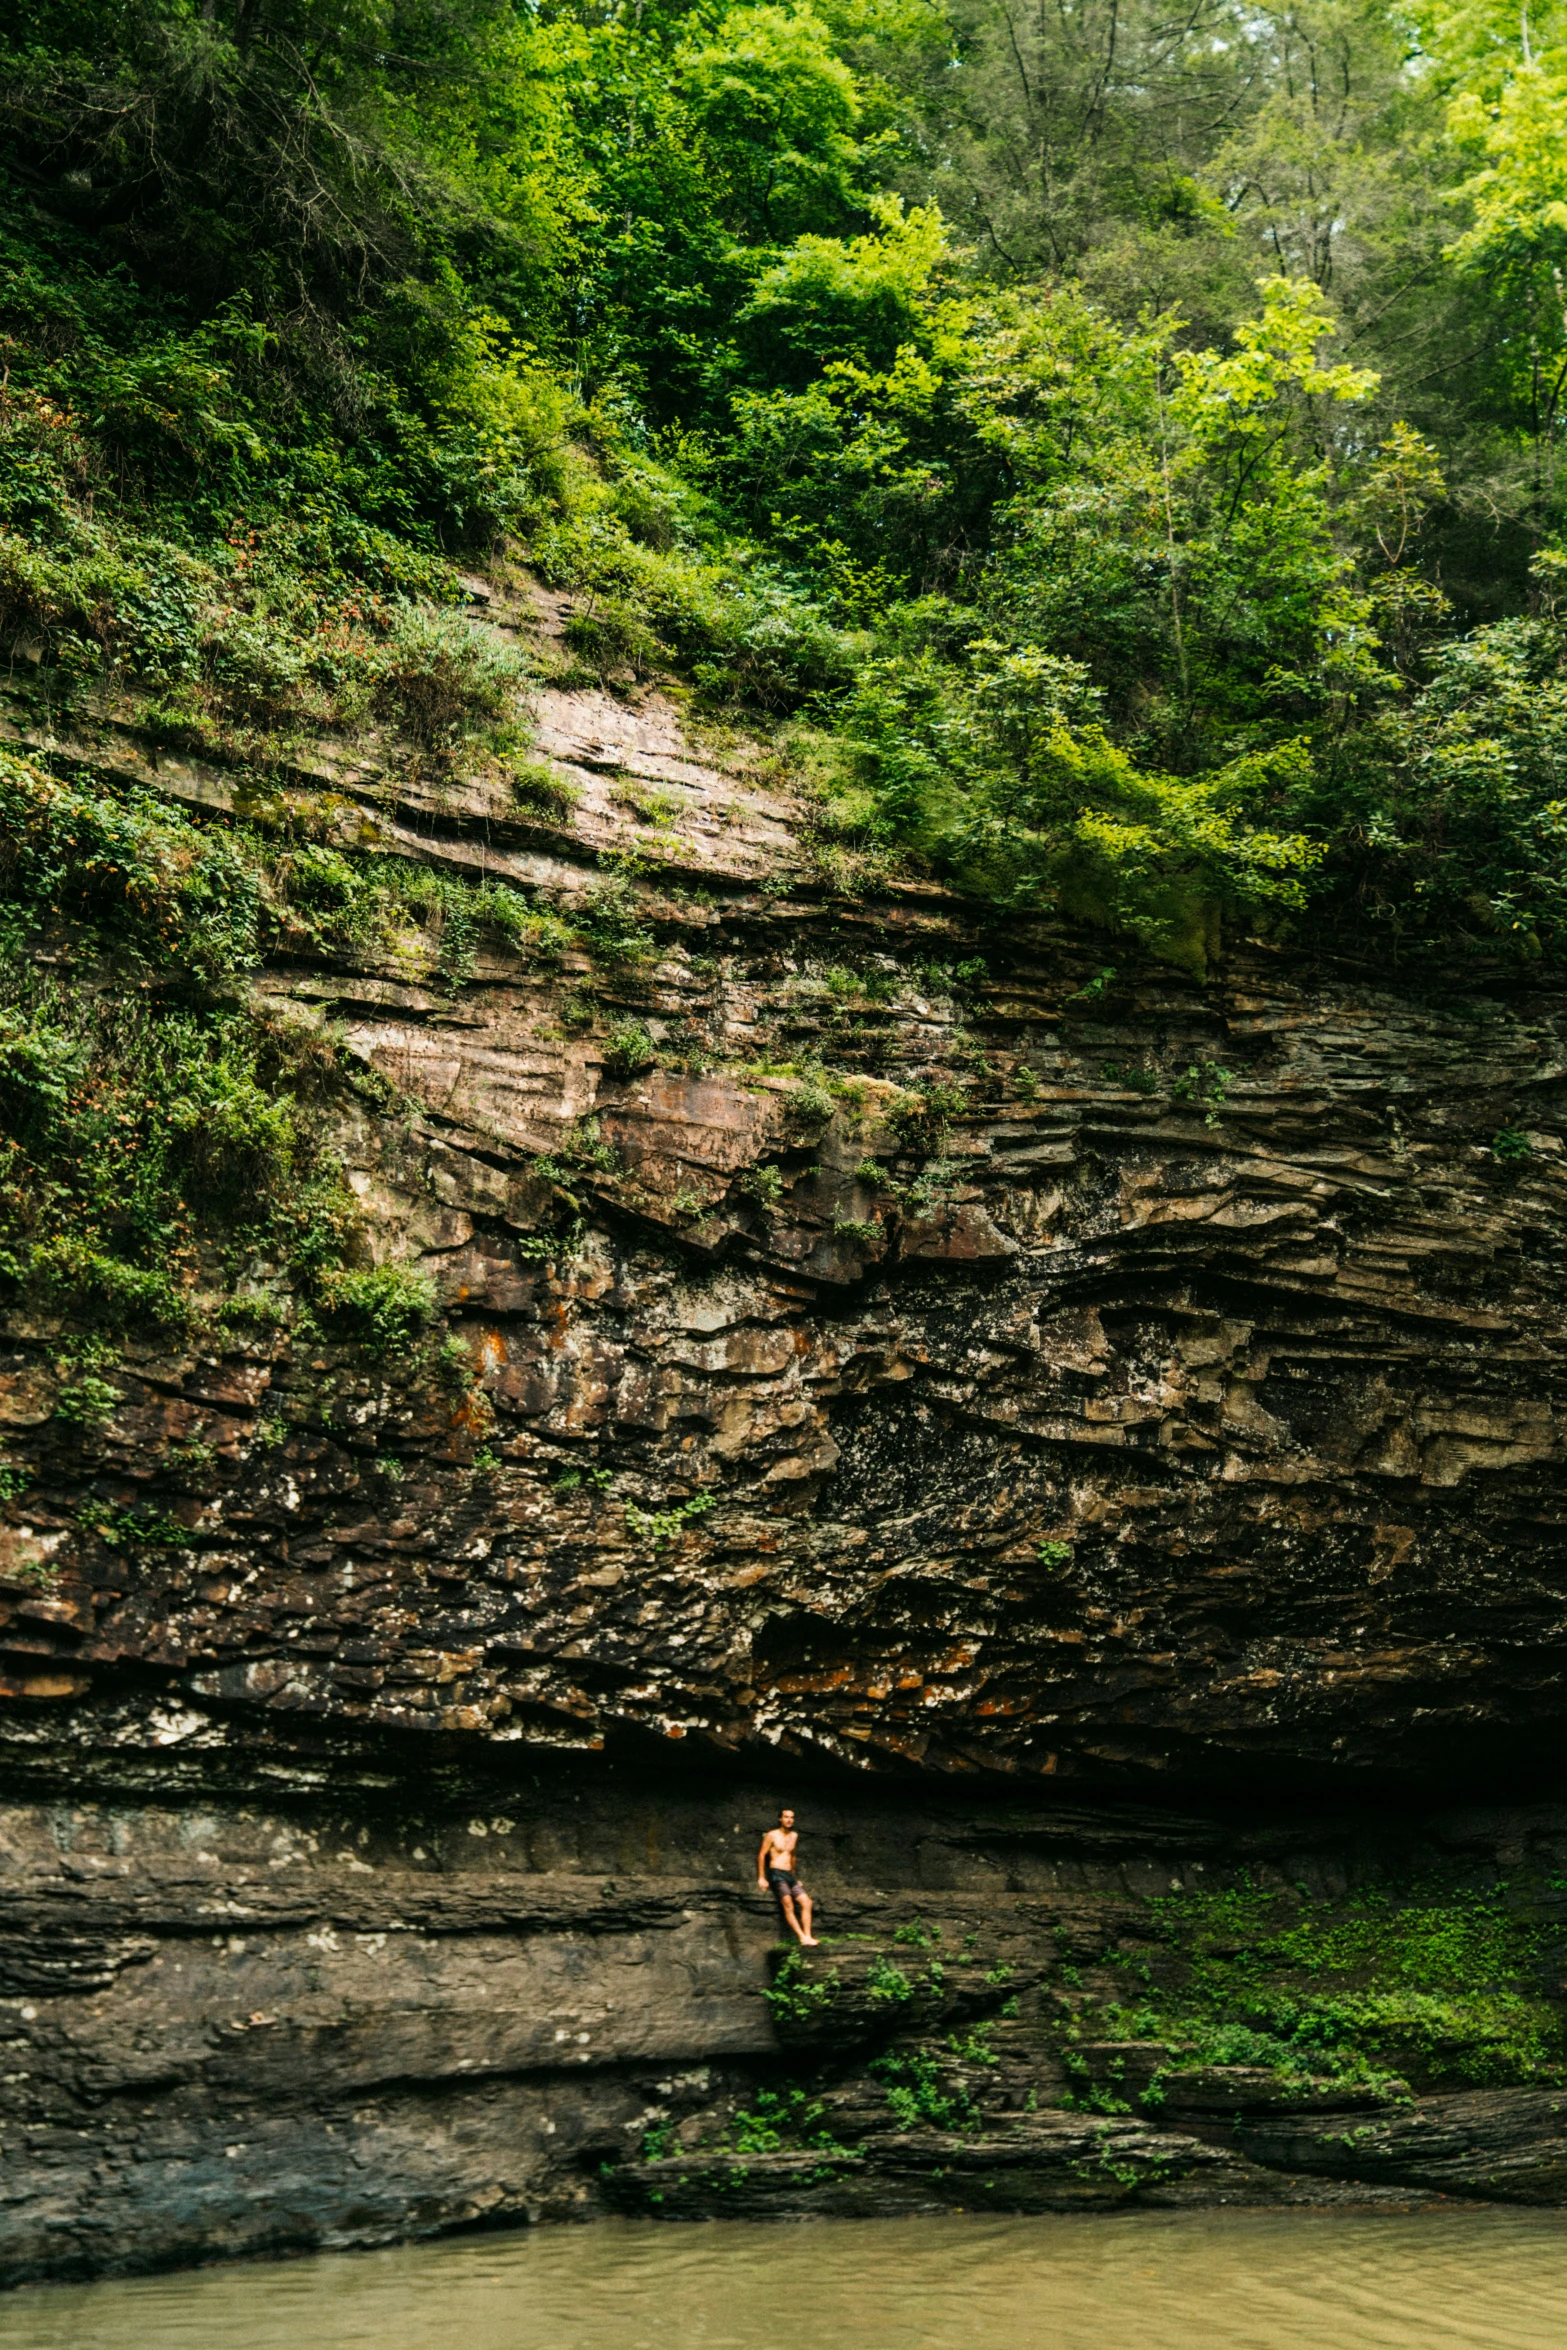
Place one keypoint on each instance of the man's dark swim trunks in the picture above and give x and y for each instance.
(784, 1881)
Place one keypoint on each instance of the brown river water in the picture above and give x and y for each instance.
(1208, 2281)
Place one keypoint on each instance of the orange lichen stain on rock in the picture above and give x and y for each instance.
(1392, 1546)
(44, 1685)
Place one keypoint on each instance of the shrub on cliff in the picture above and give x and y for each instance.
(156, 1130)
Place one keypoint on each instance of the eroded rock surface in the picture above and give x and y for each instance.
(1086, 1431)
(237, 2027)
(951, 1359)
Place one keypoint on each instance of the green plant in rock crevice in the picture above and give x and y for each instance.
(856, 1229)
(974, 2045)
(537, 787)
(1206, 1086)
(809, 1104)
(656, 1528)
(628, 1049)
(152, 1528)
(793, 1997)
(888, 1983)
(582, 1150)
(918, 1934)
(763, 1183)
(917, 2097)
(781, 2119)
(86, 1398)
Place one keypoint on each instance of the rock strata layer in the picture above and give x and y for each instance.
(246, 2027)
(948, 1354)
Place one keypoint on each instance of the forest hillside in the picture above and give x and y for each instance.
(1118, 456)
(781, 1020)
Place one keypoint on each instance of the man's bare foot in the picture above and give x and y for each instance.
(809, 1942)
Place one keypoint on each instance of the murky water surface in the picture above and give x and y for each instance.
(1215, 2281)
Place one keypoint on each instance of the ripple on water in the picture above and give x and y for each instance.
(1143, 2281)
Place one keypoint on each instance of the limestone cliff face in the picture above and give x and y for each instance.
(949, 1358)
(1173, 1383)
(282, 2024)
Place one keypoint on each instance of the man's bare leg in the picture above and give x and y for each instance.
(802, 1934)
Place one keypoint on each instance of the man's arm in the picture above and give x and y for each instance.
(761, 1865)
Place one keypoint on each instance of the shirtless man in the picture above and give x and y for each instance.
(775, 1874)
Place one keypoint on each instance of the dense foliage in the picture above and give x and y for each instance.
(1438, 1987)
(160, 1138)
(1125, 451)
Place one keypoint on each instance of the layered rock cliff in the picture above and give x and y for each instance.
(235, 2027)
(883, 1347)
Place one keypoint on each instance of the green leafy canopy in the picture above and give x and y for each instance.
(1157, 525)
